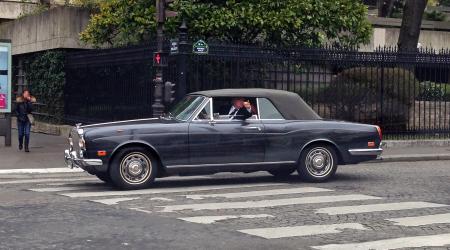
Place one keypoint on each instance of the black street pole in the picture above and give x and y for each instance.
(158, 107)
(182, 60)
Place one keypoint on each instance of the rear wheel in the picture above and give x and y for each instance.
(133, 168)
(317, 163)
(283, 172)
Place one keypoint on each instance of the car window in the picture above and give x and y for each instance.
(267, 110)
(186, 107)
(234, 108)
(205, 113)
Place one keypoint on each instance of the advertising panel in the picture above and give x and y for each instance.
(5, 77)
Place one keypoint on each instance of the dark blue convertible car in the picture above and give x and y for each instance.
(228, 130)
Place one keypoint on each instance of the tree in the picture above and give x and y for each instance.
(411, 23)
(287, 22)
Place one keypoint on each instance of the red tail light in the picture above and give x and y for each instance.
(379, 132)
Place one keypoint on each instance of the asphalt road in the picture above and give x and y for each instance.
(370, 206)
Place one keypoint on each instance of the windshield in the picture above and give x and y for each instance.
(186, 107)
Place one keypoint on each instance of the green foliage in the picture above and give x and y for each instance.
(445, 2)
(89, 4)
(355, 92)
(431, 91)
(434, 15)
(46, 76)
(288, 22)
(40, 8)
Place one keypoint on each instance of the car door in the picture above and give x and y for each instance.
(280, 141)
(225, 141)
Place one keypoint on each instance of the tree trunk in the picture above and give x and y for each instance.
(385, 7)
(411, 22)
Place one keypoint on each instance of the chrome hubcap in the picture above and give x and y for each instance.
(135, 168)
(319, 162)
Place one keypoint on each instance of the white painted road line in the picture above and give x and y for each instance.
(267, 203)
(415, 221)
(377, 208)
(213, 219)
(438, 240)
(114, 201)
(61, 189)
(165, 190)
(301, 190)
(40, 171)
(24, 181)
(160, 199)
(283, 232)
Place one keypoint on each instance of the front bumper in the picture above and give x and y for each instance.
(72, 160)
(366, 152)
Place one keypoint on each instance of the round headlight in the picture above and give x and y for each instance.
(82, 143)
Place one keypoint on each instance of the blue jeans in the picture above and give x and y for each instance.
(24, 131)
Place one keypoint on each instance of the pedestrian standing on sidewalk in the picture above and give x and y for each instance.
(24, 107)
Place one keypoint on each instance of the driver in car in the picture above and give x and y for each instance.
(238, 111)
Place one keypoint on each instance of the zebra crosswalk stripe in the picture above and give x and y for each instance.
(308, 230)
(213, 219)
(415, 221)
(438, 240)
(267, 203)
(164, 190)
(301, 190)
(45, 180)
(377, 207)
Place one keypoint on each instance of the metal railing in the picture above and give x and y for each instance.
(407, 94)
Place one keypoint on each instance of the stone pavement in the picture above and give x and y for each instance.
(47, 152)
(381, 206)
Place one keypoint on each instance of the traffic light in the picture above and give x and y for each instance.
(162, 10)
(169, 92)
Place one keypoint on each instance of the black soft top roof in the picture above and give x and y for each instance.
(291, 105)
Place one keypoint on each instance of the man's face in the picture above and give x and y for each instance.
(238, 103)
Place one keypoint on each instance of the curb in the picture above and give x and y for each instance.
(412, 158)
(415, 143)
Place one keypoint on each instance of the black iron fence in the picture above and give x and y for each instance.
(107, 85)
(407, 94)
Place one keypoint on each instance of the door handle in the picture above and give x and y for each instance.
(253, 128)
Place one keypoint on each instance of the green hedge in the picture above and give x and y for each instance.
(46, 77)
(356, 93)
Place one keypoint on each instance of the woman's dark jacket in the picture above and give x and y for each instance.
(24, 107)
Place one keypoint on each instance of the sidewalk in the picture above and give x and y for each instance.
(47, 152)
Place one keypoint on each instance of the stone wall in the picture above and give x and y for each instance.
(386, 31)
(429, 115)
(54, 29)
(10, 10)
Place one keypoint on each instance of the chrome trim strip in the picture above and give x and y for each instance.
(231, 164)
(366, 151)
(108, 123)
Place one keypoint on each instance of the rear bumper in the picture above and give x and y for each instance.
(366, 152)
(72, 160)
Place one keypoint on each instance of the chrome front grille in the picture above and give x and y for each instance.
(75, 141)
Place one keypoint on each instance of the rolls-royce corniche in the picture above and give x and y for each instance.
(227, 130)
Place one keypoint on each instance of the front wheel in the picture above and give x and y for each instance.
(317, 163)
(133, 168)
